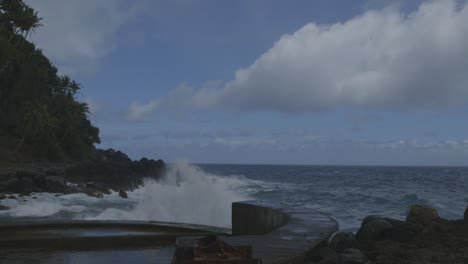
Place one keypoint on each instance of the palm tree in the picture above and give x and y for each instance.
(18, 17)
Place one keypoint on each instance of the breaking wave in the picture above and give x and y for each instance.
(186, 194)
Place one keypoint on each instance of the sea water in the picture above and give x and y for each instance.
(203, 194)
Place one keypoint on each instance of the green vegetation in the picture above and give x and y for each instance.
(40, 117)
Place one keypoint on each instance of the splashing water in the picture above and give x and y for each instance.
(186, 194)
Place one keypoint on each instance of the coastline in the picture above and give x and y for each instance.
(424, 237)
(103, 172)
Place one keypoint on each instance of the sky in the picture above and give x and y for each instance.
(326, 82)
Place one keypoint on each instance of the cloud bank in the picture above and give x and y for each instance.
(77, 33)
(382, 59)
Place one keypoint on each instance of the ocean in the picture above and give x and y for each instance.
(203, 194)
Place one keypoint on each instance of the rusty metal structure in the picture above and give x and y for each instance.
(212, 250)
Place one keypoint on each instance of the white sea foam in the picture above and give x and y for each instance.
(186, 194)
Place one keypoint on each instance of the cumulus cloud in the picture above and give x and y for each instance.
(77, 33)
(383, 59)
(293, 147)
(137, 111)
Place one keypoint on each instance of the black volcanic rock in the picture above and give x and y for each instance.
(342, 241)
(123, 194)
(422, 215)
(372, 230)
(114, 170)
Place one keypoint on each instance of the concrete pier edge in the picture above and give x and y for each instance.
(277, 233)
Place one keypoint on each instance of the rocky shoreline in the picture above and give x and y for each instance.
(424, 237)
(105, 171)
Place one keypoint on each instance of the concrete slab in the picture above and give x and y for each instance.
(153, 242)
(304, 228)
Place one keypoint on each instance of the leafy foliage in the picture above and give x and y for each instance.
(38, 108)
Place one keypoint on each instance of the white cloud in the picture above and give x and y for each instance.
(138, 112)
(77, 33)
(383, 59)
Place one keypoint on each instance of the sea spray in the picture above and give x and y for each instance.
(186, 194)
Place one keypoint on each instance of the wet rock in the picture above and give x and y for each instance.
(55, 184)
(123, 194)
(115, 170)
(2, 196)
(422, 215)
(342, 241)
(372, 230)
(402, 231)
(370, 218)
(352, 256)
(34, 197)
(76, 189)
(96, 194)
(12, 197)
(98, 187)
(4, 207)
(24, 185)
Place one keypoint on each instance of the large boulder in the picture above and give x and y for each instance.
(4, 207)
(95, 194)
(372, 230)
(342, 241)
(370, 218)
(123, 194)
(98, 187)
(401, 231)
(422, 215)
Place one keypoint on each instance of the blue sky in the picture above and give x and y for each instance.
(289, 82)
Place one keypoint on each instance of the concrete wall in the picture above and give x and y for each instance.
(256, 218)
(278, 234)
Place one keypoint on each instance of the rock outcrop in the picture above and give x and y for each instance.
(342, 241)
(372, 230)
(422, 215)
(104, 171)
(123, 194)
(114, 170)
(424, 237)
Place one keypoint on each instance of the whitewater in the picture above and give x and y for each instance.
(202, 194)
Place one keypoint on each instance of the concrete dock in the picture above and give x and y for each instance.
(277, 234)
